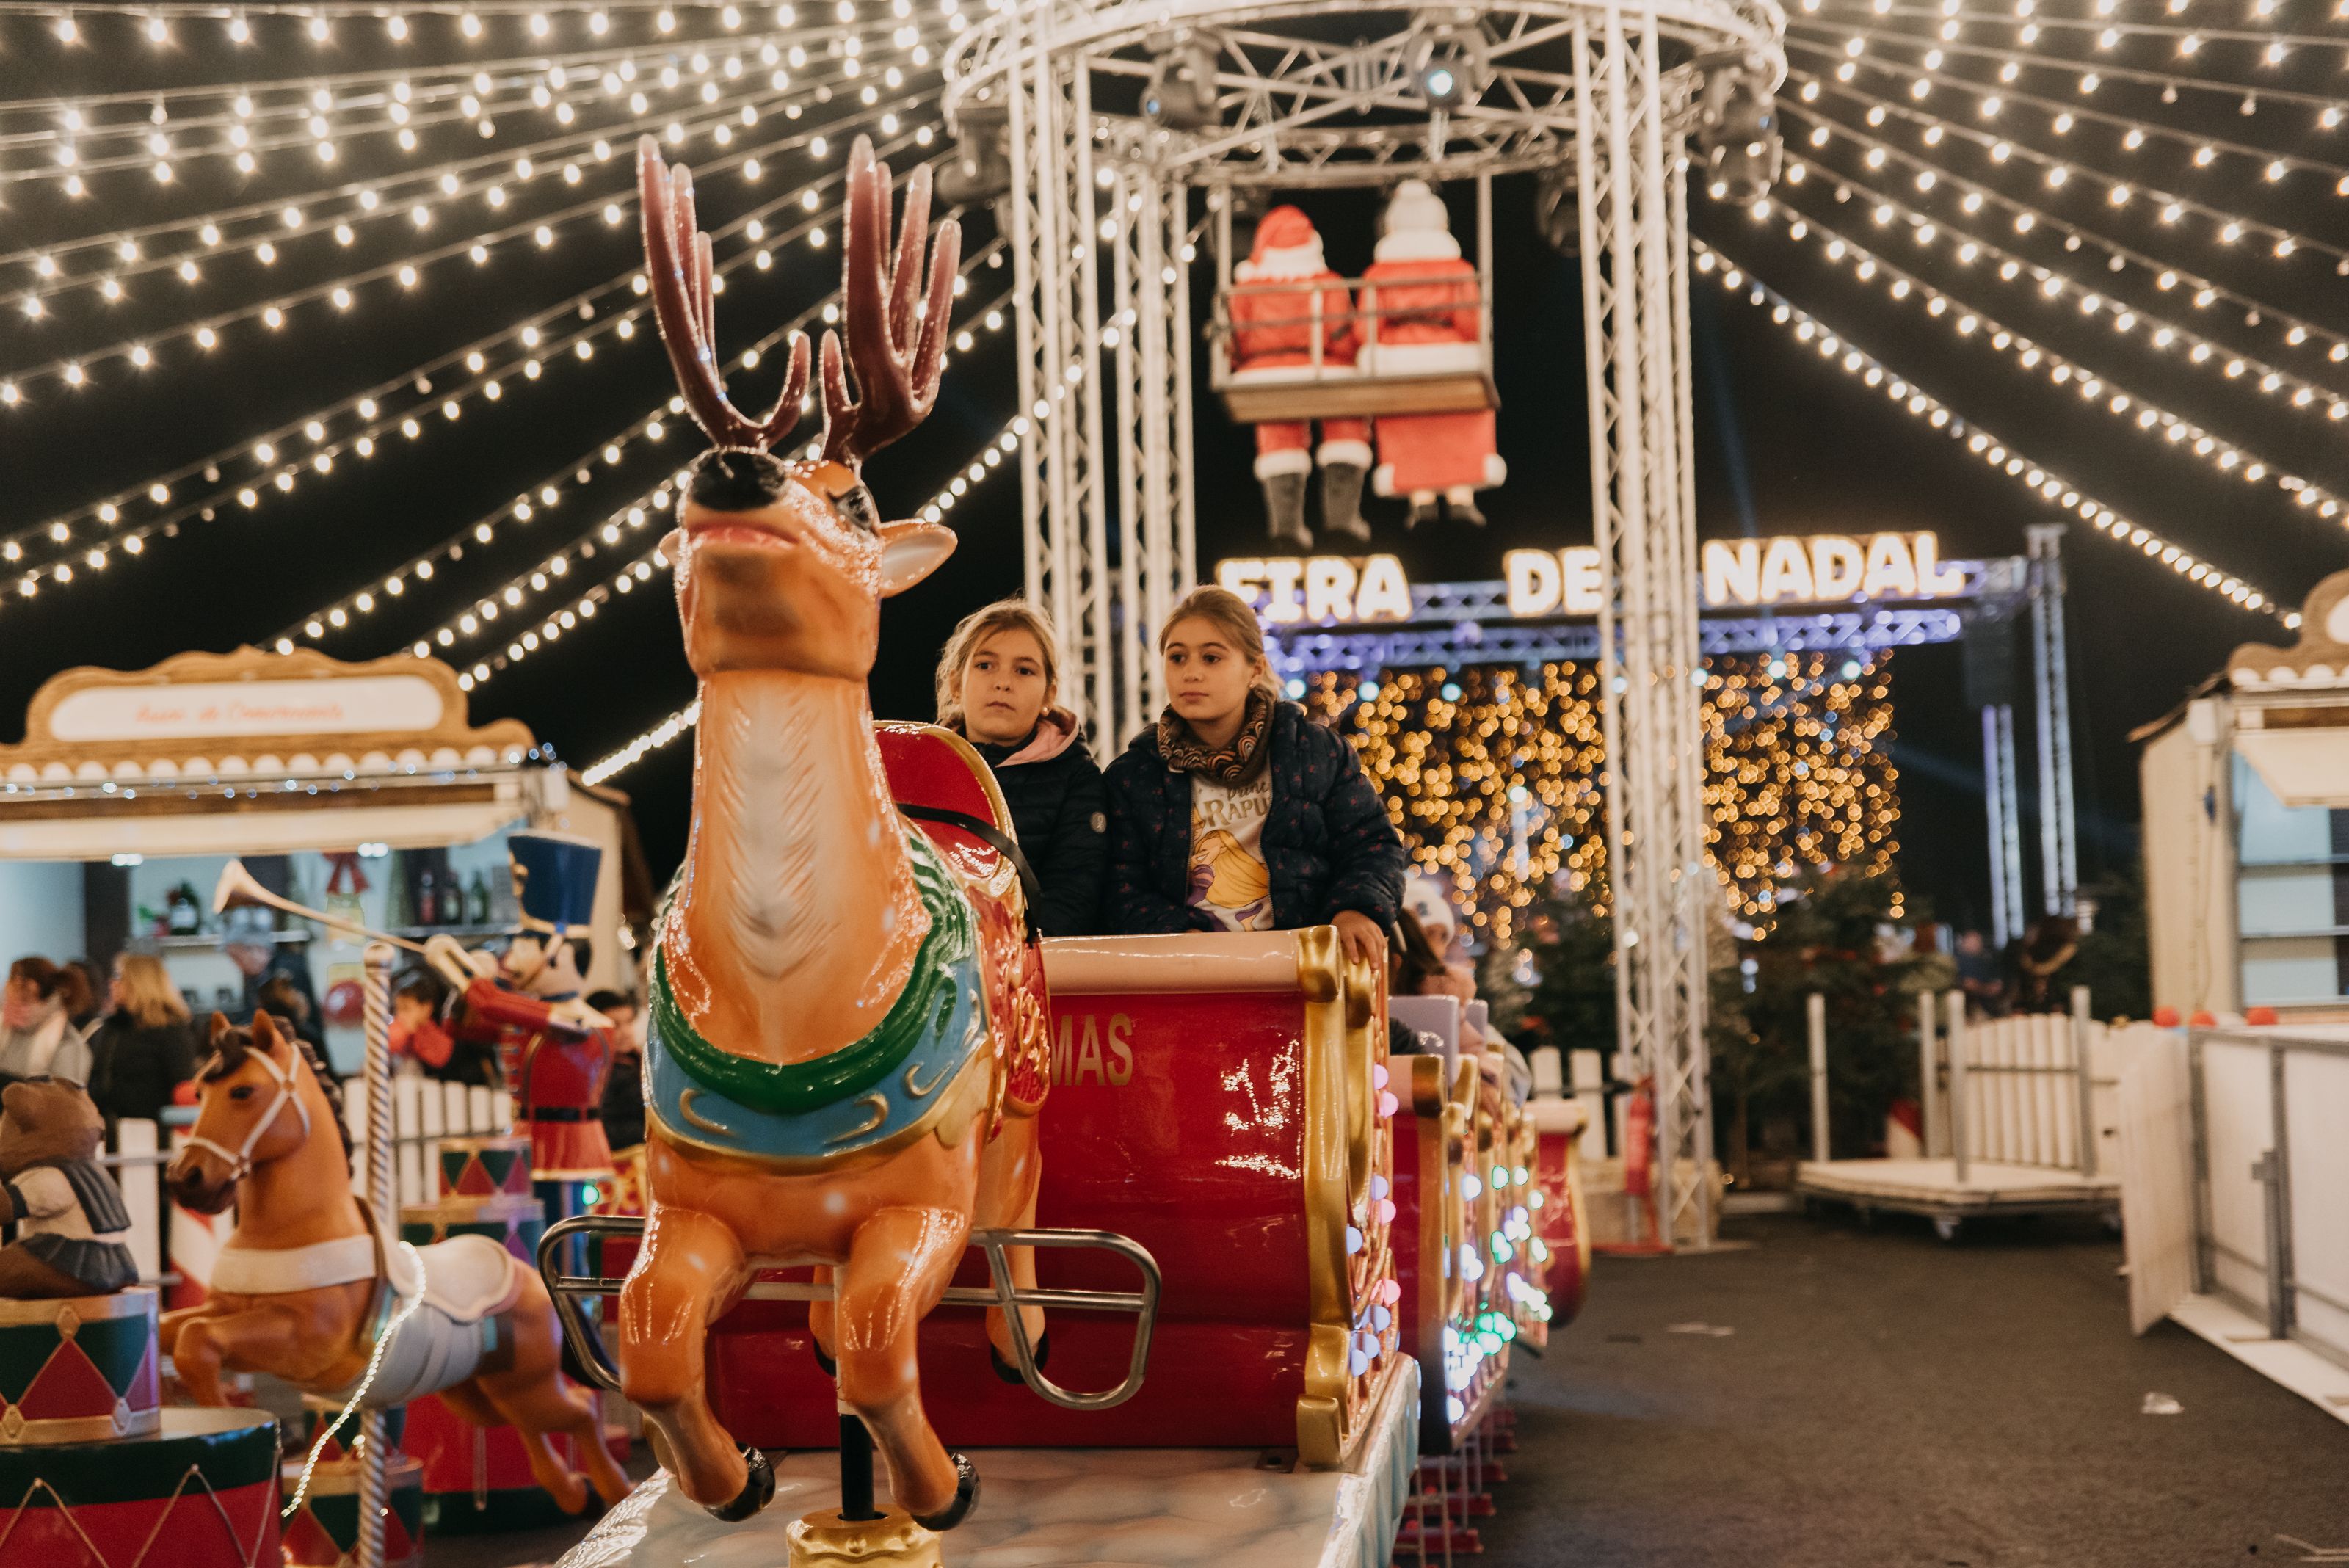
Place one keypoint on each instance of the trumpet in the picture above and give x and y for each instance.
(239, 889)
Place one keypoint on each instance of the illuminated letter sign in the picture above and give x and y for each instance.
(1750, 574)
(1286, 590)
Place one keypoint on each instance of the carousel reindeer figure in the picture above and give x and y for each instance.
(843, 1056)
(309, 1282)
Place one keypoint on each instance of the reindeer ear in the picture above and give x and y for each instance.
(265, 1031)
(221, 1029)
(910, 552)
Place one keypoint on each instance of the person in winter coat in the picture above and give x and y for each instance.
(996, 684)
(1235, 811)
(1274, 331)
(1421, 295)
(37, 1038)
(145, 1046)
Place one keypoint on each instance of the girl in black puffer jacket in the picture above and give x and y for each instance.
(1235, 811)
(996, 684)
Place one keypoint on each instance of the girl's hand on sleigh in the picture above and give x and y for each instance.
(1359, 937)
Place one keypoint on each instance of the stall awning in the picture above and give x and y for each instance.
(97, 824)
(2300, 767)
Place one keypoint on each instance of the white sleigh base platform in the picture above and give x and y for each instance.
(1932, 1188)
(1102, 1507)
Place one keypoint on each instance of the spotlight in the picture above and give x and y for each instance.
(980, 169)
(1181, 91)
(1556, 211)
(1737, 129)
(1448, 67)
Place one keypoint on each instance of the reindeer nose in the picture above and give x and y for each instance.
(736, 481)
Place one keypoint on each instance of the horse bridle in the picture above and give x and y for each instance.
(240, 1159)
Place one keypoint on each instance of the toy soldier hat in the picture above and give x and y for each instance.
(554, 881)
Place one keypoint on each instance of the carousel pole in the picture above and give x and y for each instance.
(374, 1462)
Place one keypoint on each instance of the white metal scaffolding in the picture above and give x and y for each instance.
(1634, 243)
(1326, 93)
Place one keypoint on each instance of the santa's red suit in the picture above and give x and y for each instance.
(1274, 331)
(1418, 303)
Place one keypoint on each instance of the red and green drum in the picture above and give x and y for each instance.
(485, 1166)
(199, 1492)
(77, 1369)
(325, 1531)
(513, 1224)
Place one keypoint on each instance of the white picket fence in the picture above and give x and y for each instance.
(167, 1240)
(2032, 1090)
(2036, 1089)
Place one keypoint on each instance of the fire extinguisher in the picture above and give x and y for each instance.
(1639, 1138)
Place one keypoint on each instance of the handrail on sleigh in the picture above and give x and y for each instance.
(587, 1342)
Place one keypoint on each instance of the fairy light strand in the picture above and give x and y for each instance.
(2298, 331)
(1998, 454)
(2229, 457)
(633, 513)
(2230, 226)
(411, 422)
(2089, 73)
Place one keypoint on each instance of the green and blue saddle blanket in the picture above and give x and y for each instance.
(863, 1097)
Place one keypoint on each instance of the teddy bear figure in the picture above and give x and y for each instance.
(66, 1224)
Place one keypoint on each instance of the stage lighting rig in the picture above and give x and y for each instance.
(980, 169)
(1181, 92)
(1449, 65)
(1737, 130)
(1555, 211)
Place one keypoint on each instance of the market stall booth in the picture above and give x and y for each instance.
(361, 791)
(2246, 790)
(360, 788)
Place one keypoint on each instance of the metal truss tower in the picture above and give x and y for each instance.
(1309, 94)
(1632, 181)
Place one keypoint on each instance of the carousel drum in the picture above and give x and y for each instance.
(79, 1370)
(484, 1166)
(513, 1224)
(205, 1481)
(325, 1531)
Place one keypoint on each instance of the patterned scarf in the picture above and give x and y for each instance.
(1233, 763)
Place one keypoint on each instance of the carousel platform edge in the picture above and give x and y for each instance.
(1102, 1508)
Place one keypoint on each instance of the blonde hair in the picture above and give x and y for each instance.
(148, 993)
(1003, 615)
(1230, 615)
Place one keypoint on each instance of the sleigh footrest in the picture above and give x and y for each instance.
(571, 1291)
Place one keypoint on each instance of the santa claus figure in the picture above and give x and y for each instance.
(1419, 300)
(1275, 331)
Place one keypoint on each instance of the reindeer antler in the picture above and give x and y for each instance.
(896, 373)
(677, 261)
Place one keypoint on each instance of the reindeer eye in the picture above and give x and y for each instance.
(241, 1092)
(856, 505)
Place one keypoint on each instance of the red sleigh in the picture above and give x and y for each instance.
(1218, 1119)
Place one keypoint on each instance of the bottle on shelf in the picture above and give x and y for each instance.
(478, 900)
(427, 907)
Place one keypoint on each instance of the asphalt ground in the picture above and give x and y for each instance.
(1881, 1399)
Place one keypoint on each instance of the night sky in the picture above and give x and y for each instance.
(1789, 442)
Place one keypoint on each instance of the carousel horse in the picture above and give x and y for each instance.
(308, 1284)
(844, 1051)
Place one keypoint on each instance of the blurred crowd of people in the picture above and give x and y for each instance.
(2030, 974)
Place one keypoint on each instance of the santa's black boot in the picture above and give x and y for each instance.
(1284, 509)
(1342, 501)
(1461, 504)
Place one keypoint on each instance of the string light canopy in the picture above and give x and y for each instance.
(1967, 140)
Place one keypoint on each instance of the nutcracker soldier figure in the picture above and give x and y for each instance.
(1424, 296)
(1274, 332)
(552, 1048)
